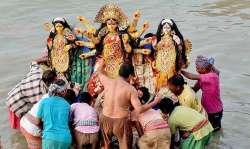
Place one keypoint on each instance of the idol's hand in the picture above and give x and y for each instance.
(79, 43)
(82, 19)
(177, 39)
(125, 38)
(85, 55)
(78, 30)
(145, 25)
(47, 26)
(136, 14)
(67, 47)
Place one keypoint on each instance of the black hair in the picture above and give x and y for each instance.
(149, 35)
(126, 70)
(60, 82)
(167, 105)
(177, 80)
(48, 77)
(70, 96)
(152, 54)
(85, 97)
(146, 95)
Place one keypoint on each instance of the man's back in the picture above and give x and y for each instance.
(117, 98)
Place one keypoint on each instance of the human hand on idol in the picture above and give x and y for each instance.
(77, 88)
(100, 63)
(158, 98)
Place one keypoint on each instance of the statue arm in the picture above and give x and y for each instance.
(126, 44)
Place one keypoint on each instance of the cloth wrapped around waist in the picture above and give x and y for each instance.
(155, 124)
(185, 134)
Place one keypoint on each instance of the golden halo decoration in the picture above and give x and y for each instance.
(112, 11)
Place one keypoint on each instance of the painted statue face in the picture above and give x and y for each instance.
(112, 25)
(166, 28)
(59, 27)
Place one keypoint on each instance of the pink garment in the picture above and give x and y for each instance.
(152, 120)
(83, 112)
(210, 86)
(14, 120)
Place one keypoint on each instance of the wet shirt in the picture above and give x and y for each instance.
(54, 112)
(185, 119)
(189, 99)
(84, 118)
(209, 84)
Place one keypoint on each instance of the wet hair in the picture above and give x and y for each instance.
(48, 77)
(126, 70)
(177, 80)
(85, 97)
(57, 87)
(167, 105)
(70, 96)
(146, 95)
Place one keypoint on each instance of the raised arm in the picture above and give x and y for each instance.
(139, 108)
(127, 46)
(101, 73)
(137, 34)
(88, 44)
(134, 22)
(190, 75)
(86, 24)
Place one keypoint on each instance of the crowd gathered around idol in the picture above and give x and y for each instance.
(111, 87)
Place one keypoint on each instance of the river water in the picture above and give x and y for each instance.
(218, 28)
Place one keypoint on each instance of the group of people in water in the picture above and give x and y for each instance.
(94, 88)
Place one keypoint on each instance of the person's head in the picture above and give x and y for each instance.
(126, 71)
(143, 94)
(176, 84)
(167, 105)
(48, 77)
(70, 96)
(112, 25)
(203, 64)
(153, 40)
(85, 97)
(58, 88)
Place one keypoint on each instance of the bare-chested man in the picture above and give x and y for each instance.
(119, 95)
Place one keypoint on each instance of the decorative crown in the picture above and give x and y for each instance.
(112, 11)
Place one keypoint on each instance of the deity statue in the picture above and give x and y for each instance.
(112, 38)
(59, 44)
(171, 51)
